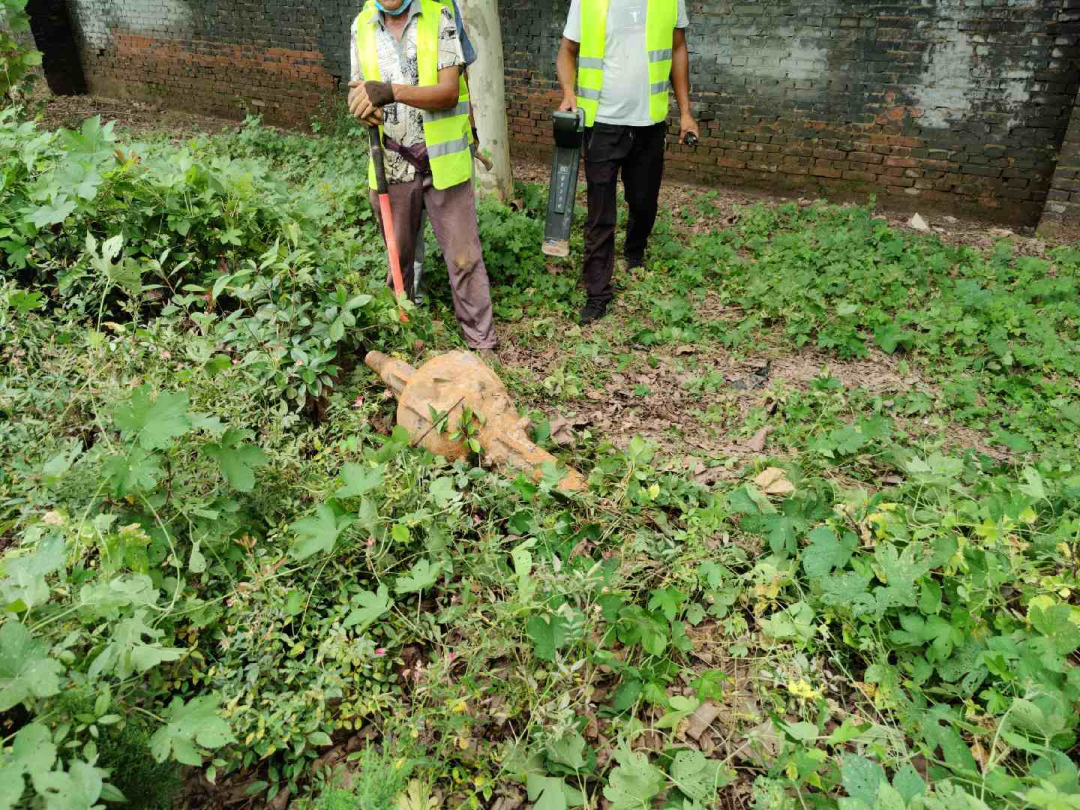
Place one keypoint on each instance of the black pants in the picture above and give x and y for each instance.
(639, 153)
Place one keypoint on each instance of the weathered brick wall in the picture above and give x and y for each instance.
(956, 102)
(1061, 219)
(223, 57)
(930, 102)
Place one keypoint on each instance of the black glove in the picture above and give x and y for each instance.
(379, 93)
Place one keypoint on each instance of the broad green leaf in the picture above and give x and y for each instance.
(781, 532)
(681, 708)
(861, 777)
(92, 139)
(698, 777)
(154, 423)
(547, 635)
(422, 576)
(667, 601)
(552, 793)
(634, 783)
(1055, 621)
(638, 626)
(11, 786)
(237, 459)
(826, 552)
(749, 500)
(138, 470)
(106, 598)
(26, 575)
(523, 565)
(627, 695)
(569, 751)
(372, 606)
(803, 732)
(888, 798)
(50, 214)
(197, 560)
(78, 789)
(901, 571)
(793, 622)
(80, 179)
(848, 589)
(908, 783)
(442, 490)
(25, 667)
(188, 725)
(1033, 485)
(890, 336)
(359, 480)
(849, 730)
(133, 649)
(318, 532)
(33, 754)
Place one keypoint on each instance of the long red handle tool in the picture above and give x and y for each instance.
(389, 233)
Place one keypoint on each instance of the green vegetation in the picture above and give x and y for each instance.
(16, 60)
(220, 556)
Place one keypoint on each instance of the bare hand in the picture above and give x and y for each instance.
(569, 104)
(688, 125)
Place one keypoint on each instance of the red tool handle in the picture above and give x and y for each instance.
(382, 189)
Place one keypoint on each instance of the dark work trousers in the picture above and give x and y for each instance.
(639, 153)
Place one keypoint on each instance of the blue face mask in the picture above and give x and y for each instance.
(400, 11)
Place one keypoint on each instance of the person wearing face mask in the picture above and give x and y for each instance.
(407, 78)
(617, 61)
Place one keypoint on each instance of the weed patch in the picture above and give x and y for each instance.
(220, 558)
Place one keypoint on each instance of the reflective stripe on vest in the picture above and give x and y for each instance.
(445, 131)
(660, 20)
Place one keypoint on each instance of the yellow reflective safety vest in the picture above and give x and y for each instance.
(660, 20)
(447, 133)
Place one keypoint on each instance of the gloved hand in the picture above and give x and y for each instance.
(380, 93)
(362, 106)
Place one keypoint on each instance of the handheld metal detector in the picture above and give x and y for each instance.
(569, 134)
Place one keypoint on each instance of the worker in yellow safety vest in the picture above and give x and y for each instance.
(617, 63)
(406, 78)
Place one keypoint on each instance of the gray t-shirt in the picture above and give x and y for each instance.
(625, 97)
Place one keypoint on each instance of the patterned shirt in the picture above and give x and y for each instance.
(398, 65)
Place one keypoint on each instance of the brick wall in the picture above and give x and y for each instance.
(961, 103)
(279, 58)
(926, 102)
(1061, 219)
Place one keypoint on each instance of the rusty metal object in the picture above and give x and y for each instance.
(450, 383)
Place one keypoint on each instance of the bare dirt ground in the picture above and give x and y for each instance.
(136, 117)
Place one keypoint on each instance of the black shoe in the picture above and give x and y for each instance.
(594, 311)
(634, 263)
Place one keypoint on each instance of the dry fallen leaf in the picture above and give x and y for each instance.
(918, 223)
(687, 349)
(774, 481)
(757, 444)
(701, 719)
(561, 432)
